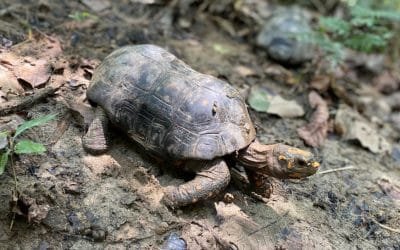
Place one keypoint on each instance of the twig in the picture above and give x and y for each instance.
(336, 170)
(269, 224)
(263, 227)
(26, 101)
(386, 227)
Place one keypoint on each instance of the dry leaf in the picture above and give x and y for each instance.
(34, 72)
(262, 100)
(35, 68)
(352, 126)
(315, 132)
(8, 82)
(285, 108)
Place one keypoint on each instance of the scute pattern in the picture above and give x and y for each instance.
(168, 107)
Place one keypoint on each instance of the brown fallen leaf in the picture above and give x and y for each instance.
(315, 132)
(32, 71)
(352, 126)
(30, 61)
(8, 82)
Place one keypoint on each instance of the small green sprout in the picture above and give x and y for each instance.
(9, 144)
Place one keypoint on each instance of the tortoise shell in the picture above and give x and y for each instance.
(169, 108)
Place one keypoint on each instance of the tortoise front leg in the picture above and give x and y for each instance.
(212, 177)
(95, 139)
(278, 160)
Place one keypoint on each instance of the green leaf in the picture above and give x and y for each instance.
(359, 11)
(365, 42)
(335, 25)
(259, 99)
(33, 123)
(29, 147)
(3, 161)
(3, 140)
(363, 21)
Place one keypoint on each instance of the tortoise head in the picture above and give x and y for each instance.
(294, 163)
(279, 160)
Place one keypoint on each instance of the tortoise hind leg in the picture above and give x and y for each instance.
(212, 177)
(95, 140)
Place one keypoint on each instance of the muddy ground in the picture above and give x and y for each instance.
(112, 201)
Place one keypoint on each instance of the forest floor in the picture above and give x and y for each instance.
(68, 199)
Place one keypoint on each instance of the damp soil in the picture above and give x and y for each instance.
(112, 201)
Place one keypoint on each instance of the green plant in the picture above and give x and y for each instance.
(9, 145)
(81, 16)
(365, 28)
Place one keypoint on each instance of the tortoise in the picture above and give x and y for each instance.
(179, 114)
(280, 36)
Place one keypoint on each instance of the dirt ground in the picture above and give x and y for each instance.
(112, 201)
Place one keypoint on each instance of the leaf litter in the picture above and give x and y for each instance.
(352, 126)
(262, 100)
(315, 132)
(98, 190)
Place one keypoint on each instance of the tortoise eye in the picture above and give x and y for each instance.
(301, 163)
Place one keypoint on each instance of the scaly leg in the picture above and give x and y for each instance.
(95, 140)
(212, 177)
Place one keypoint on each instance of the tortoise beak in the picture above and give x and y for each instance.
(297, 163)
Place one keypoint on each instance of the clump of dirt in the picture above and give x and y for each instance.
(69, 199)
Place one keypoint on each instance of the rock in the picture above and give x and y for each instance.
(174, 242)
(97, 5)
(280, 36)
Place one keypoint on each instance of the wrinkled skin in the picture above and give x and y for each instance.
(209, 125)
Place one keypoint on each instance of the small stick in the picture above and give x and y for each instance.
(337, 169)
(386, 227)
(26, 101)
(268, 225)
